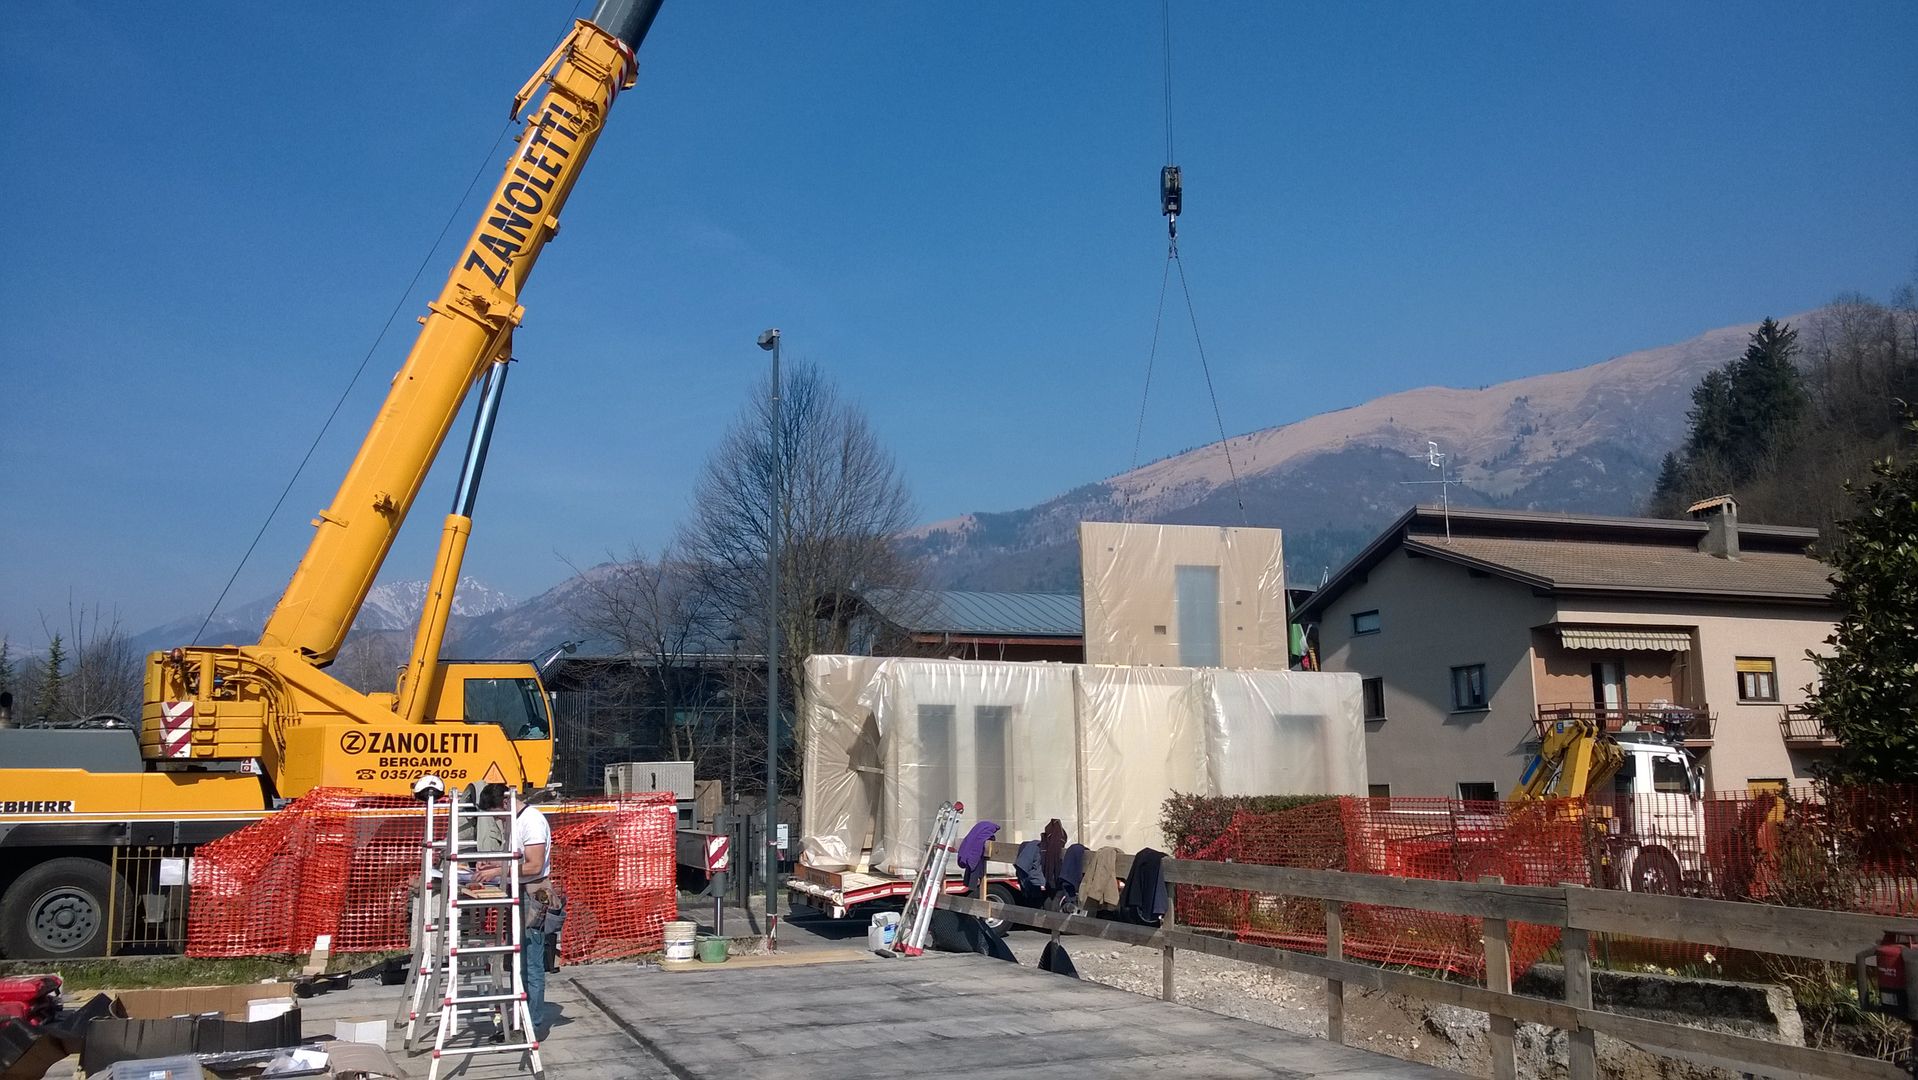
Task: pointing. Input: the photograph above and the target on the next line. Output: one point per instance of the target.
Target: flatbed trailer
(838, 892)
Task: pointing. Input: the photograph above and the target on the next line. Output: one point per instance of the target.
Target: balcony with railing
(1803, 731)
(1692, 725)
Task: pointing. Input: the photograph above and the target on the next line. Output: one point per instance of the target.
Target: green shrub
(1190, 822)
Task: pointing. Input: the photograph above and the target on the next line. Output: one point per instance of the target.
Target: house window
(1374, 691)
(1477, 791)
(1757, 678)
(1365, 622)
(1378, 791)
(1468, 687)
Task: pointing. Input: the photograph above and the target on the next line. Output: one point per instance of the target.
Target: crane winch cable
(1171, 204)
(370, 350)
(418, 272)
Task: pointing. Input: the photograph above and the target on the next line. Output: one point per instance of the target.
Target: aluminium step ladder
(477, 936)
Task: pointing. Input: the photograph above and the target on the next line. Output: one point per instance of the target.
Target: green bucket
(712, 950)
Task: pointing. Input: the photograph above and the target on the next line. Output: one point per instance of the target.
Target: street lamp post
(775, 524)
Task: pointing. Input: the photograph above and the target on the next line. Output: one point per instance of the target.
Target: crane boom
(466, 329)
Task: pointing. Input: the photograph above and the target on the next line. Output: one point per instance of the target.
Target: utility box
(633, 777)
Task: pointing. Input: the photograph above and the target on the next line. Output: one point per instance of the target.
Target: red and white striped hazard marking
(719, 853)
(176, 729)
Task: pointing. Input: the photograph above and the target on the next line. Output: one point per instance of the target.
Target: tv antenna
(1436, 459)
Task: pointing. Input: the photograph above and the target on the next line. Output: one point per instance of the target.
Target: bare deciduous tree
(657, 615)
(370, 661)
(845, 503)
(102, 676)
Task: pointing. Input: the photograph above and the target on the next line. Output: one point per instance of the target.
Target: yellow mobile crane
(228, 731)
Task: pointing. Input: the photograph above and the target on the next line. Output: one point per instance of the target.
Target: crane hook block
(1170, 192)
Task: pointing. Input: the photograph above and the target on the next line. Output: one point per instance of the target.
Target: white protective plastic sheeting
(1100, 748)
(843, 769)
(997, 736)
(1142, 737)
(1283, 732)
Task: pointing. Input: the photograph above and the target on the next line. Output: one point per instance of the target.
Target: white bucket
(681, 940)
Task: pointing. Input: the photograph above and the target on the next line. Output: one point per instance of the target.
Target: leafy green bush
(1190, 822)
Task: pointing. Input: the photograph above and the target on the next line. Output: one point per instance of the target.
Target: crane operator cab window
(516, 705)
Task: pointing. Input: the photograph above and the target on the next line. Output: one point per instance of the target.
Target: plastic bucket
(680, 938)
(712, 950)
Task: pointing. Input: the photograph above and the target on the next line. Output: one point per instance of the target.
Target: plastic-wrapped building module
(1098, 747)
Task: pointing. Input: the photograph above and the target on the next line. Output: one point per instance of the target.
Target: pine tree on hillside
(1711, 437)
(51, 703)
(1668, 491)
(1768, 400)
(1868, 688)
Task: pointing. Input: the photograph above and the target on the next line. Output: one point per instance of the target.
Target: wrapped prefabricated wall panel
(842, 768)
(1283, 733)
(1183, 595)
(1142, 733)
(1098, 747)
(997, 736)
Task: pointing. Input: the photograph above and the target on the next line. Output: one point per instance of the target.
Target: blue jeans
(532, 972)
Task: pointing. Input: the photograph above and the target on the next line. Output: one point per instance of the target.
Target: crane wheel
(58, 909)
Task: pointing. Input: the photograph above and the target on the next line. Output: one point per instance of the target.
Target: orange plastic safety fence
(617, 869)
(1443, 839)
(1842, 849)
(343, 864)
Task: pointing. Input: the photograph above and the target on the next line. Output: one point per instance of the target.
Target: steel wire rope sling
(1171, 204)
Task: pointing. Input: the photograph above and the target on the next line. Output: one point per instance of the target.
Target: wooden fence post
(1166, 992)
(1581, 1045)
(1498, 976)
(1334, 988)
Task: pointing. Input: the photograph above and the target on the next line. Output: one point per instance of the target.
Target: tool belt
(545, 906)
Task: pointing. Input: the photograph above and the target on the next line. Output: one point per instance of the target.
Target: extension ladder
(475, 967)
(425, 971)
(930, 885)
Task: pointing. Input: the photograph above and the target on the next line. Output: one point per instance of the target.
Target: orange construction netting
(1441, 839)
(344, 864)
(1832, 848)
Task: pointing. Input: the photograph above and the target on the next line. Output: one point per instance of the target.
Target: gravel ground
(1440, 1035)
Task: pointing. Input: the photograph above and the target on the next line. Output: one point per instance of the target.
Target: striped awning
(1614, 637)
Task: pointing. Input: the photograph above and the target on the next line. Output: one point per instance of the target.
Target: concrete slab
(945, 1016)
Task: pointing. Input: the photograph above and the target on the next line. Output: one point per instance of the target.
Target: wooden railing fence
(1577, 911)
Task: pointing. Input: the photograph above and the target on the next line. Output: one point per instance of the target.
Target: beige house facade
(1470, 628)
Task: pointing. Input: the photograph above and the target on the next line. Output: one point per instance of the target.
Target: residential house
(1471, 627)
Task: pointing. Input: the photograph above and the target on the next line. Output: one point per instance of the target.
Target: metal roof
(1581, 553)
(1009, 614)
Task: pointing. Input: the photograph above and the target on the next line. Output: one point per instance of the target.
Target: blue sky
(951, 207)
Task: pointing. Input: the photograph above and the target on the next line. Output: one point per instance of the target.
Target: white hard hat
(429, 787)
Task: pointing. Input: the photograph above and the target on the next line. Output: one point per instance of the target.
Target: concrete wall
(1747, 743)
(1434, 616)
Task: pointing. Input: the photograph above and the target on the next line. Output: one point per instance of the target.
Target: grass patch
(160, 972)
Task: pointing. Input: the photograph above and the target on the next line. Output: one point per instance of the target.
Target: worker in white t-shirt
(533, 839)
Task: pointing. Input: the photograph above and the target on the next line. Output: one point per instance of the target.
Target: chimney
(1720, 516)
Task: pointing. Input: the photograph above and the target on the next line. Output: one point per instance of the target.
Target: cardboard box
(192, 1020)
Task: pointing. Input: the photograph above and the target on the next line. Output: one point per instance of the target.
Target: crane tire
(57, 910)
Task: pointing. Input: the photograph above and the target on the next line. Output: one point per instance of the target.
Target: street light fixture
(775, 523)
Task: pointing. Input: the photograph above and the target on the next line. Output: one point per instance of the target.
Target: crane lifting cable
(1171, 204)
